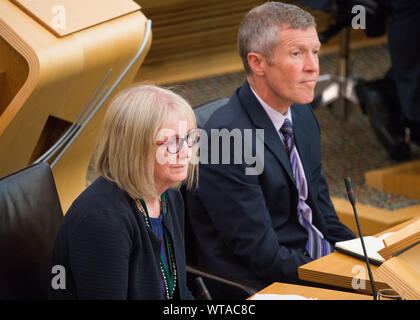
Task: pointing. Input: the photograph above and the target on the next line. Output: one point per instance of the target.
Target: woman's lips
(178, 166)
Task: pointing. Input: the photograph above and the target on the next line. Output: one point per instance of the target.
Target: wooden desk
(311, 292)
(340, 270)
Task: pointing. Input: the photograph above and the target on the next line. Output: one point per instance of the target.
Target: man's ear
(256, 62)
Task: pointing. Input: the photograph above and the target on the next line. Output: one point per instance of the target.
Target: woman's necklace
(169, 276)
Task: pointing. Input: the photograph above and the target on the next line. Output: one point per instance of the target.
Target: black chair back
(204, 111)
(30, 215)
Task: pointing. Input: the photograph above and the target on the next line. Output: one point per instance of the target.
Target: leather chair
(30, 215)
(204, 111)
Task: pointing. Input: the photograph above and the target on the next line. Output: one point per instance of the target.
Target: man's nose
(311, 63)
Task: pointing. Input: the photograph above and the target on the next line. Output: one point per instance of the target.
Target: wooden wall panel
(61, 75)
(14, 71)
(194, 39)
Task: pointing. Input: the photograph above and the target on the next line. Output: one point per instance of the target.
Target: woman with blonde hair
(122, 238)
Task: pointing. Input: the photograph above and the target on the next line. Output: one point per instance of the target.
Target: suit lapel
(302, 137)
(261, 120)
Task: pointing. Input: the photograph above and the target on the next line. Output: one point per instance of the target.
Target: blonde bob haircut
(126, 148)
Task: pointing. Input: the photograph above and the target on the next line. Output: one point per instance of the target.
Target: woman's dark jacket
(108, 252)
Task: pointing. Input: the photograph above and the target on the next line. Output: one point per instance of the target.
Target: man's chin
(305, 100)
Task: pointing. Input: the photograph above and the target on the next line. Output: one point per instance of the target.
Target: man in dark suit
(259, 221)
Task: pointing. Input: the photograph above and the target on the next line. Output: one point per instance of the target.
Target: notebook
(373, 244)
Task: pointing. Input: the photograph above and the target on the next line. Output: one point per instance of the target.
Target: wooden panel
(340, 270)
(372, 220)
(75, 15)
(2, 78)
(188, 27)
(226, 60)
(412, 211)
(62, 75)
(191, 27)
(403, 179)
(54, 128)
(198, 39)
(311, 292)
(402, 275)
(337, 269)
(14, 73)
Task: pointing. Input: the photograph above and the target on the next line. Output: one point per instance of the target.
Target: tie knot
(287, 132)
(286, 128)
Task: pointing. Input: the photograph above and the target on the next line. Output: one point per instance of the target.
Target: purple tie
(316, 245)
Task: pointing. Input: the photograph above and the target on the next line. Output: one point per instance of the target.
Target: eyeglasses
(174, 144)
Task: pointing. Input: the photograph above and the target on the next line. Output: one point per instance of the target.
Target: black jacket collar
(260, 119)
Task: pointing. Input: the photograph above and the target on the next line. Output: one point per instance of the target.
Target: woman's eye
(170, 142)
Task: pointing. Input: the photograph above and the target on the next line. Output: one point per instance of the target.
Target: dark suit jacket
(246, 226)
(109, 253)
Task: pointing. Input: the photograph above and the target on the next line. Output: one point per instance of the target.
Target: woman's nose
(184, 151)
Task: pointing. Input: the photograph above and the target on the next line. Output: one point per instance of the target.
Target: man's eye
(295, 54)
(316, 51)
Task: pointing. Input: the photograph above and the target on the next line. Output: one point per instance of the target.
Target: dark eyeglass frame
(181, 141)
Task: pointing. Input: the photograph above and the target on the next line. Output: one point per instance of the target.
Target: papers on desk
(372, 244)
(259, 296)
